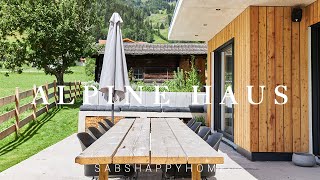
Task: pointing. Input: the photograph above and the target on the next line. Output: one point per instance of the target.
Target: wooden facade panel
(296, 87)
(311, 19)
(318, 4)
(271, 78)
(304, 83)
(308, 9)
(236, 75)
(237, 123)
(287, 121)
(279, 76)
(248, 80)
(254, 109)
(240, 30)
(313, 14)
(270, 50)
(263, 115)
(238, 85)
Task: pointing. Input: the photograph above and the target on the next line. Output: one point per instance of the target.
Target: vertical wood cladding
(270, 50)
(239, 29)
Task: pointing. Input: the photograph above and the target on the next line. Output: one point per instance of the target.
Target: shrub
(145, 87)
(162, 26)
(90, 67)
(201, 119)
(183, 81)
(178, 83)
(19, 71)
(193, 77)
(130, 74)
(91, 83)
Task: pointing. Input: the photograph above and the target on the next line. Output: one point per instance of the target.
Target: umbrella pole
(112, 106)
(112, 113)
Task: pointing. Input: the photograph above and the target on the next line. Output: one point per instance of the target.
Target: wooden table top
(150, 141)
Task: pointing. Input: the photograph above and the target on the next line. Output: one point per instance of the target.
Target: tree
(90, 66)
(169, 19)
(133, 13)
(49, 34)
(162, 26)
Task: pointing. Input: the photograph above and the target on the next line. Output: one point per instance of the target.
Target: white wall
(177, 99)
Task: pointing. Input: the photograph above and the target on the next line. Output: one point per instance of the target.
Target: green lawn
(31, 76)
(25, 81)
(159, 40)
(164, 32)
(158, 18)
(49, 129)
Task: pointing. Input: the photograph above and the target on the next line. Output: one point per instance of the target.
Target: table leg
(104, 173)
(196, 174)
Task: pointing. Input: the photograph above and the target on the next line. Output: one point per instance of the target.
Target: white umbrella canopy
(114, 69)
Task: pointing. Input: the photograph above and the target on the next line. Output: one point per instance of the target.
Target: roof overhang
(163, 49)
(200, 20)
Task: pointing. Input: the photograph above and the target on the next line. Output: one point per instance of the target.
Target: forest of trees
(134, 14)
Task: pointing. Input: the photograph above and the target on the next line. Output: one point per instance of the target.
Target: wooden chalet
(157, 62)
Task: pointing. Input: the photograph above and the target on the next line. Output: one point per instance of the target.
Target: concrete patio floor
(57, 163)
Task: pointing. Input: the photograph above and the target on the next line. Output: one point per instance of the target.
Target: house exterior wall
(184, 63)
(200, 64)
(313, 13)
(239, 30)
(158, 68)
(270, 50)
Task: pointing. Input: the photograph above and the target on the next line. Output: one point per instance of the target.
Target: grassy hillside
(142, 18)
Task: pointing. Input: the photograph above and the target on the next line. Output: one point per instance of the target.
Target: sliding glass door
(315, 70)
(224, 78)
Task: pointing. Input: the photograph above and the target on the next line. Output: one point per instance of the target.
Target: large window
(138, 73)
(227, 81)
(315, 69)
(224, 78)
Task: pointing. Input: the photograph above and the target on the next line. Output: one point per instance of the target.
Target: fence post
(34, 113)
(55, 92)
(47, 95)
(70, 90)
(75, 89)
(79, 88)
(17, 108)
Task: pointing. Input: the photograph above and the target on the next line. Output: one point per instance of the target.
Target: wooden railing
(71, 90)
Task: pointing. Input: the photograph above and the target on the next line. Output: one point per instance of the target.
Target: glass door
(223, 78)
(315, 71)
(227, 81)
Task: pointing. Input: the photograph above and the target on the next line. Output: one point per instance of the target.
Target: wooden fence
(71, 90)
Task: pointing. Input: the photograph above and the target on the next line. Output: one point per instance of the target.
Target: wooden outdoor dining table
(150, 141)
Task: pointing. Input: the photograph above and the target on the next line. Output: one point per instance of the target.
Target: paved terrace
(57, 163)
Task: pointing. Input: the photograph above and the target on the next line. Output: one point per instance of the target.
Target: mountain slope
(144, 20)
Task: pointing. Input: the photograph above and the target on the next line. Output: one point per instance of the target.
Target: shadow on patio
(57, 162)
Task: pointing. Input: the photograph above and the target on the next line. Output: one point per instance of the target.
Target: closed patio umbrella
(114, 69)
